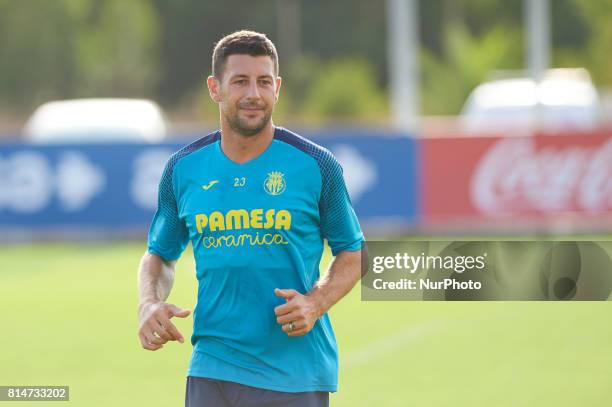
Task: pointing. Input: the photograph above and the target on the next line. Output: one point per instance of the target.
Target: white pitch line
(386, 345)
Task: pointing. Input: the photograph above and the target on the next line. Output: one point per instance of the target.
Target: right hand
(155, 326)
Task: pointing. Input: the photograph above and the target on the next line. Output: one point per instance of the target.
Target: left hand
(300, 309)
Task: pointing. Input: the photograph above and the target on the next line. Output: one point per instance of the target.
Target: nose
(253, 91)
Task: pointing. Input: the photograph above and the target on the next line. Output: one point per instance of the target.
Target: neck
(241, 149)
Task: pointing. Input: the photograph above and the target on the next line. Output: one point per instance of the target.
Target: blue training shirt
(255, 227)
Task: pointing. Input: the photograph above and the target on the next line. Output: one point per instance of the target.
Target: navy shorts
(203, 392)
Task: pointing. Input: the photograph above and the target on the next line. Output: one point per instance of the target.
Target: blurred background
(453, 119)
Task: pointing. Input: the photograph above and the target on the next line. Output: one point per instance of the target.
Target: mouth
(252, 112)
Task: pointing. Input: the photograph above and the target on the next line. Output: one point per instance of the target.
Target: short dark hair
(242, 42)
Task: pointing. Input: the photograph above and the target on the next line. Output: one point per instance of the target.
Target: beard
(244, 128)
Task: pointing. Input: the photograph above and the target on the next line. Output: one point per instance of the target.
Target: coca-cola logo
(515, 176)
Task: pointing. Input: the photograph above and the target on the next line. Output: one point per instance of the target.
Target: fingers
(291, 312)
(166, 329)
(287, 318)
(299, 328)
(300, 324)
(296, 313)
(285, 308)
(174, 332)
(300, 332)
(151, 347)
(156, 328)
(149, 342)
(287, 293)
(178, 312)
(296, 326)
(170, 327)
(152, 337)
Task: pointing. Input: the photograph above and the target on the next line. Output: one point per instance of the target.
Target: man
(256, 202)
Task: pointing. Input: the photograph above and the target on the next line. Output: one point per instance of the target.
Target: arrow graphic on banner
(78, 181)
(359, 173)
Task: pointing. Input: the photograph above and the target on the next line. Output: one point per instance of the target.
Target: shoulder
(324, 158)
(191, 148)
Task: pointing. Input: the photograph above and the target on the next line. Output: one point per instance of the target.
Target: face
(246, 93)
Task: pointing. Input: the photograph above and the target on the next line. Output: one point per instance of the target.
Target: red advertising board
(530, 177)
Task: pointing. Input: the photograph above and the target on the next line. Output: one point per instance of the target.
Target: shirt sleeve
(338, 219)
(168, 234)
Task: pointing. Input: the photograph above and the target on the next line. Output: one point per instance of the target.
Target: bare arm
(343, 274)
(304, 310)
(155, 278)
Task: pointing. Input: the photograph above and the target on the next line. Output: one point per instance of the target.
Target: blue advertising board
(380, 171)
(112, 188)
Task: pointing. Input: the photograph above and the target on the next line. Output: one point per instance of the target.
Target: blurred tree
(298, 79)
(37, 62)
(472, 37)
(190, 29)
(467, 61)
(115, 48)
(344, 90)
(570, 28)
(160, 48)
(593, 49)
(75, 48)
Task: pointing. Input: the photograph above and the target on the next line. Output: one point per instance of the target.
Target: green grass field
(69, 318)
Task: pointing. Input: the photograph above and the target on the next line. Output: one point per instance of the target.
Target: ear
(278, 86)
(214, 88)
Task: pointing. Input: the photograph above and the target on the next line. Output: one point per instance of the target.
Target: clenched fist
(298, 315)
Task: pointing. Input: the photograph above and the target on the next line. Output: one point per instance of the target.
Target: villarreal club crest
(274, 183)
